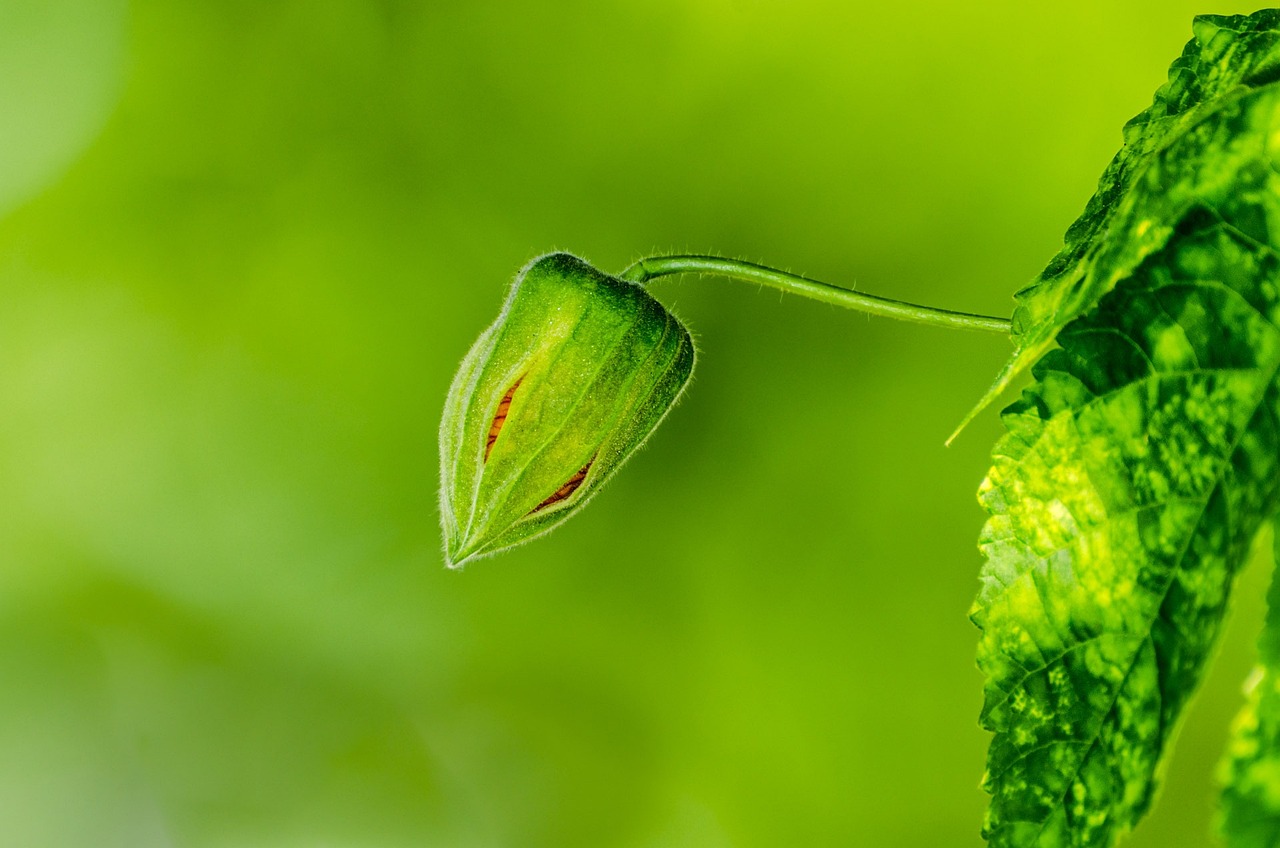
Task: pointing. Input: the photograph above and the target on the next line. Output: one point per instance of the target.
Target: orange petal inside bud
(500, 418)
(567, 489)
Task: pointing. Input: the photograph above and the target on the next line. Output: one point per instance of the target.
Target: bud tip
(459, 554)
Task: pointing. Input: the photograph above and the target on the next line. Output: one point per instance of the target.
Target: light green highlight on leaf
(1140, 464)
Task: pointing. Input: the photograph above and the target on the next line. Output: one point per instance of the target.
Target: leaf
(1251, 770)
(1125, 221)
(1145, 456)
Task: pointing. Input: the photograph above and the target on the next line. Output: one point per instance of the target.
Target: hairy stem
(661, 266)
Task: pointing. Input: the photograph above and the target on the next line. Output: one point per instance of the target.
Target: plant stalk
(653, 267)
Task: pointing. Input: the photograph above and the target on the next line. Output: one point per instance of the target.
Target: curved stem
(661, 266)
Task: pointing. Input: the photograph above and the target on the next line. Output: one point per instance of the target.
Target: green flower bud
(574, 375)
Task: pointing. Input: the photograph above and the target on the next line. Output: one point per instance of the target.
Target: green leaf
(1126, 221)
(1251, 769)
(1142, 461)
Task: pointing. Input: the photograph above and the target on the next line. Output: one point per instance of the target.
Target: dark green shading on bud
(574, 375)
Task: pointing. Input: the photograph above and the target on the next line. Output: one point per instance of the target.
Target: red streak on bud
(500, 418)
(567, 489)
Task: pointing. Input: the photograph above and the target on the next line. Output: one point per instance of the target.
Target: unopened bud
(577, 371)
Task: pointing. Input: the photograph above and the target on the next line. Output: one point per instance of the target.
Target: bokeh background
(244, 244)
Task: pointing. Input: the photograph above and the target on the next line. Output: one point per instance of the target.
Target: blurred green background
(244, 244)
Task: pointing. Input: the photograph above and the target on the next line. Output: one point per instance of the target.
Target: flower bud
(574, 375)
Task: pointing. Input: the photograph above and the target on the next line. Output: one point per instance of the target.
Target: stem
(661, 266)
